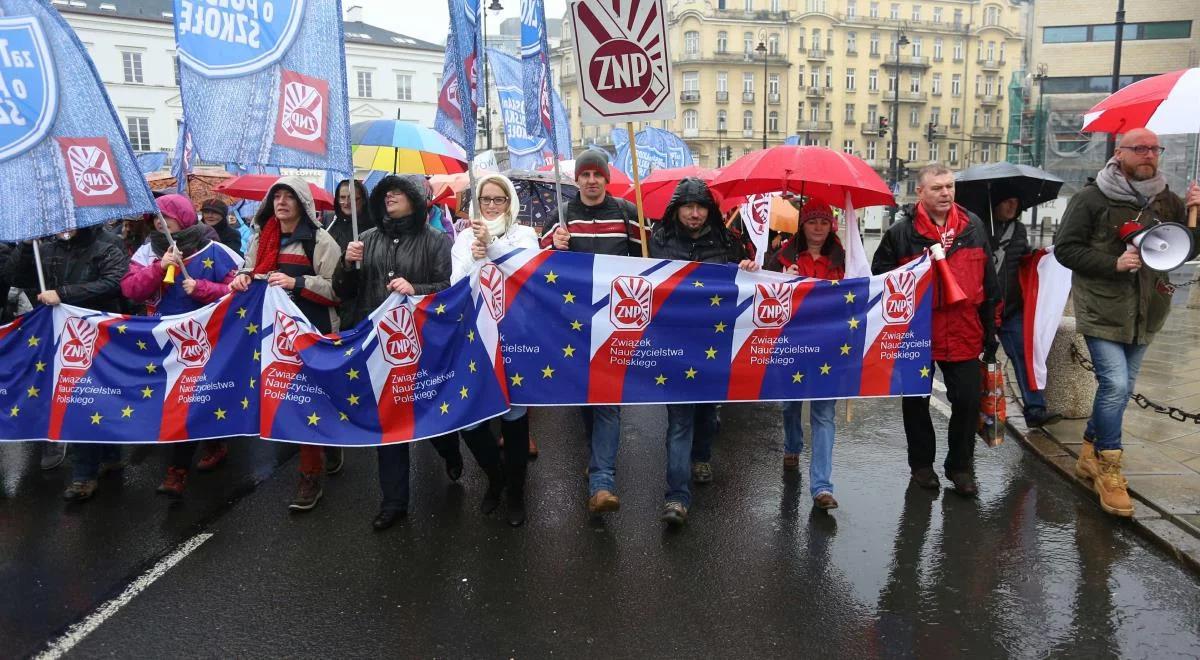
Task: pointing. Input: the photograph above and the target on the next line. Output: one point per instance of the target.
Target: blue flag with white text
(458, 100)
(184, 153)
(656, 149)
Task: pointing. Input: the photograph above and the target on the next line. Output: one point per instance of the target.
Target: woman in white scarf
(495, 232)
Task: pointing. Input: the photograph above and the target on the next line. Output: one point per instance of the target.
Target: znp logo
(398, 334)
(773, 304)
(191, 343)
(283, 344)
(631, 300)
(303, 103)
(491, 283)
(899, 298)
(79, 344)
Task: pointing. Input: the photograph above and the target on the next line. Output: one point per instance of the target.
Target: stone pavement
(1162, 455)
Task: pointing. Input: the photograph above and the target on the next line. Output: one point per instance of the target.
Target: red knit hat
(815, 209)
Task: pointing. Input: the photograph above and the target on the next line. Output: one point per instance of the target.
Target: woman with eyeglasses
(494, 232)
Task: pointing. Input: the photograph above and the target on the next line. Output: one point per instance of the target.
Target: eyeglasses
(493, 201)
(1142, 150)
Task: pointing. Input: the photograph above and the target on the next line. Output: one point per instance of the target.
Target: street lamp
(495, 8)
(762, 50)
(901, 40)
(1039, 127)
(1116, 75)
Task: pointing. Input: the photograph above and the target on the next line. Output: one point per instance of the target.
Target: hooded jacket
(308, 254)
(515, 235)
(338, 224)
(404, 247)
(85, 270)
(671, 240)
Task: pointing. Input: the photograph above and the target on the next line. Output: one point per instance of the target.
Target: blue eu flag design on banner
(657, 149)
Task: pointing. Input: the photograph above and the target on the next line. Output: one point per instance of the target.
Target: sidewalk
(1162, 455)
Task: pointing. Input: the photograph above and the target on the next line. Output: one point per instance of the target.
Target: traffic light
(929, 131)
(883, 126)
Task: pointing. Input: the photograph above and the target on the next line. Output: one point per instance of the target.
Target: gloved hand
(990, 346)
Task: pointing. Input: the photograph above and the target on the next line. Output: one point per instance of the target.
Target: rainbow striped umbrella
(401, 147)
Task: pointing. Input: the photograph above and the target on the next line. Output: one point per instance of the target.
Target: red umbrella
(815, 172)
(618, 184)
(658, 187)
(255, 187)
(1164, 104)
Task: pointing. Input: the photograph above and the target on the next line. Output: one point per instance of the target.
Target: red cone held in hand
(947, 285)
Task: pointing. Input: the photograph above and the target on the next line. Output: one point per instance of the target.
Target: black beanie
(595, 160)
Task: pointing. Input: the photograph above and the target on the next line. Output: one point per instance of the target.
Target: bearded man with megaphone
(1118, 237)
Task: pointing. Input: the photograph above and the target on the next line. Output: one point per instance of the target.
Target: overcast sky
(431, 20)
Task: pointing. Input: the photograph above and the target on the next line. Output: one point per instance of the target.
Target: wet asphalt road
(1031, 569)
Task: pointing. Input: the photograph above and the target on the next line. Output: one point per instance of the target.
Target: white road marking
(77, 632)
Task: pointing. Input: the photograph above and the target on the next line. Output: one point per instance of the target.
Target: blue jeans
(820, 416)
(681, 425)
(87, 457)
(1012, 336)
(606, 439)
(704, 430)
(1117, 368)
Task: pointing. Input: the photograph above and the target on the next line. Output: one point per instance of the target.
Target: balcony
(906, 97)
(722, 97)
(989, 99)
(817, 54)
(773, 99)
(988, 131)
(814, 127)
(890, 23)
(691, 132)
(815, 92)
(743, 15)
(747, 97)
(990, 65)
(689, 96)
(919, 61)
(869, 129)
(747, 132)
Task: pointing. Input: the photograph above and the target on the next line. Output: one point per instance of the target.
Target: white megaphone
(1162, 247)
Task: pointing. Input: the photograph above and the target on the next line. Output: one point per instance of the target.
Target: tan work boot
(1111, 485)
(603, 502)
(1086, 466)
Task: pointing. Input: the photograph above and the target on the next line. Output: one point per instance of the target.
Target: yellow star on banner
(338, 342)
(39, 366)
(464, 392)
(576, 325)
(257, 355)
(352, 374)
(141, 345)
(845, 349)
(32, 392)
(825, 369)
(342, 416)
(924, 372)
(245, 403)
(720, 327)
(126, 412)
(14, 412)
(353, 399)
(252, 382)
(849, 297)
(797, 377)
(715, 300)
(252, 329)
(568, 297)
(440, 309)
(548, 372)
(445, 408)
(96, 417)
(569, 351)
(853, 323)
(691, 372)
(471, 336)
(835, 282)
(517, 379)
(471, 366)
(151, 368)
(711, 353)
(551, 277)
(33, 341)
(660, 380)
(207, 263)
(121, 329)
(220, 413)
(147, 392)
(349, 351)
(698, 284)
(313, 419)
(241, 312)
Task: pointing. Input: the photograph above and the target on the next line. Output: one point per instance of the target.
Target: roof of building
(160, 11)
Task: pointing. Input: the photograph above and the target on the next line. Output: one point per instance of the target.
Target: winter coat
(671, 240)
(825, 267)
(610, 227)
(963, 330)
(213, 267)
(85, 270)
(1008, 278)
(396, 247)
(1122, 307)
(339, 225)
(515, 237)
(229, 236)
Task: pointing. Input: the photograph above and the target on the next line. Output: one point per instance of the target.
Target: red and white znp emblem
(91, 171)
(630, 301)
(303, 107)
(191, 343)
(398, 334)
(79, 343)
(899, 298)
(773, 305)
(491, 284)
(284, 343)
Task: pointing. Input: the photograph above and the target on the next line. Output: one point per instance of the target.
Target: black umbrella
(979, 188)
(535, 191)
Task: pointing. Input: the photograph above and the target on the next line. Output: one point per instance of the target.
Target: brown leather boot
(1110, 484)
(1086, 466)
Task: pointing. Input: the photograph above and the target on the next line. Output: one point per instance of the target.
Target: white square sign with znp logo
(622, 59)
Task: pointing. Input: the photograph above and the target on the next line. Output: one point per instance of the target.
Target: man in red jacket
(961, 331)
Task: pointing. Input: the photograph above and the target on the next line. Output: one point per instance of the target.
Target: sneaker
(603, 502)
(964, 483)
(335, 460)
(791, 462)
(308, 493)
(79, 491)
(53, 454)
(214, 455)
(174, 484)
(825, 501)
(702, 472)
(674, 514)
(925, 477)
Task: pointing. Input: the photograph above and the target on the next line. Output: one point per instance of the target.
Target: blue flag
(185, 150)
(280, 67)
(656, 149)
(792, 140)
(525, 151)
(151, 161)
(65, 161)
(535, 63)
(458, 100)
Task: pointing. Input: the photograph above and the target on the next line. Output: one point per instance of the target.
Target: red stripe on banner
(745, 377)
(276, 378)
(606, 379)
(175, 405)
(398, 418)
(11, 327)
(876, 371)
(514, 283)
(64, 388)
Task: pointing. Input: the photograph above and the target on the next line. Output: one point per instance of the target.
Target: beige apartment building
(829, 73)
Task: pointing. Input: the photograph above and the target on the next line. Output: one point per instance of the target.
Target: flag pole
(37, 260)
(353, 212)
(637, 190)
(169, 276)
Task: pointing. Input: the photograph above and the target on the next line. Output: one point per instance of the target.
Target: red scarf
(267, 257)
(956, 224)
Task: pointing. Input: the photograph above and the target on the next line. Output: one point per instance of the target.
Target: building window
(850, 79)
(935, 116)
(829, 41)
(894, 14)
(723, 81)
(748, 42)
(816, 39)
(747, 121)
(404, 86)
(875, 43)
(912, 151)
(873, 80)
(956, 85)
(991, 15)
(138, 130)
(691, 43)
(131, 62)
(954, 123)
(1133, 32)
(815, 77)
(851, 8)
(891, 82)
(871, 150)
(914, 117)
(814, 113)
(991, 51)
(872, 114)
(773, 44)
(916, 15)
(690, 120)
(691, 82)
(175, 62)
(748, 5)
(914, 83)
(722, 120)
(957, 17)
(937, 49)
(800, 78)
(748, 83)
(937, 15)
(889, 149)
(849, 113)
(933, 151)
(829, 112)
(958, 50)
(848, 146)
(874, 9)
(722, 41)
(364, 84)
(953, 152)
(978, 85)
(773, 84)
(916, 47)
(773, 122)
(1002, 52)
(936, 85)
(851, 42)
(800, 39)
(828, 77)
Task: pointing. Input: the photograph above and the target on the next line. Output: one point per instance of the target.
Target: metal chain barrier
(1138, 398)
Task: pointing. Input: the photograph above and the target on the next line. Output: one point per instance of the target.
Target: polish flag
(1045, 285)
